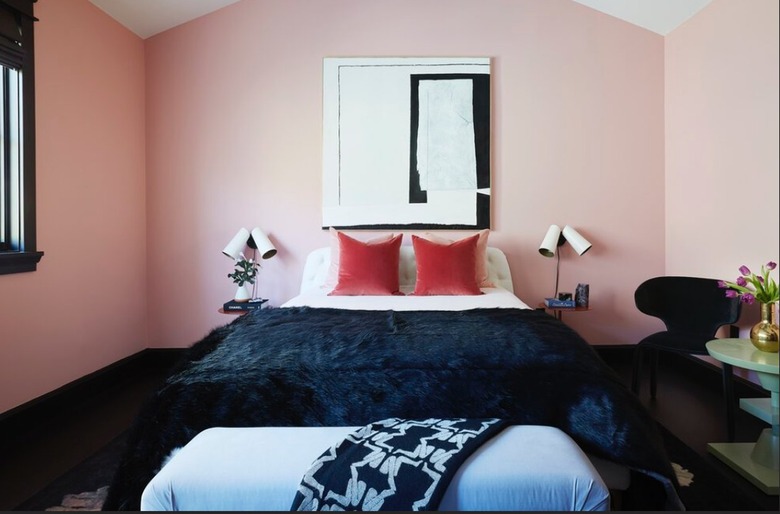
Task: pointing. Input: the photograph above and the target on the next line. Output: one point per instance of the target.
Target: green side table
(758, 462)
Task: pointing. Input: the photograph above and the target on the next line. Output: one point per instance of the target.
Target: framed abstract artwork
(406, 143)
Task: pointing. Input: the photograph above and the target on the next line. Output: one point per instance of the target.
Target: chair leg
(653, 372)
(728, 397)
(637, 372)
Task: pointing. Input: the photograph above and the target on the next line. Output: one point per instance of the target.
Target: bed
(324, 361)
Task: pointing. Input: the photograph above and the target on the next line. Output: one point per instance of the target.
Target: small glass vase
(764, 334)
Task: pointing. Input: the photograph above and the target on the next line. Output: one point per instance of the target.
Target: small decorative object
(564, 296)
(581, 295)
(750, 287)
(245, 273)
(764, 334)
(243, 294)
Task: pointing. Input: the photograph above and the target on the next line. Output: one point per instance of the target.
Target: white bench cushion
(521, 468)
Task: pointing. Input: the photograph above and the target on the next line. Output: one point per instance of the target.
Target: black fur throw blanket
(331, 367)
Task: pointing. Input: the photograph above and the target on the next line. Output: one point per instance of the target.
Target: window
(17, 138)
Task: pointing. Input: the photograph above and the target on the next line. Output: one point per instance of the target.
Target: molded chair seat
(693, 344)
(693, 309)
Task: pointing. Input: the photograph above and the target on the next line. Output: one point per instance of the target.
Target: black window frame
(17, 51)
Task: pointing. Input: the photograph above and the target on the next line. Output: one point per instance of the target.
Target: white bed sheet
(493, 297)
(524, 467)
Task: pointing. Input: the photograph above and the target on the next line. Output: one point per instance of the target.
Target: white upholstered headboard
(315, 271)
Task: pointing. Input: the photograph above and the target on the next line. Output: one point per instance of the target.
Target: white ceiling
(660, 16)
(149, 17)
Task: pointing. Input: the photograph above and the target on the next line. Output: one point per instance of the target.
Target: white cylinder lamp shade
(550, 241)
(579, 243)
(236, 245)
(264, 245)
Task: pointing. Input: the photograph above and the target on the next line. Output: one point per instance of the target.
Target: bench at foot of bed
(521, 468)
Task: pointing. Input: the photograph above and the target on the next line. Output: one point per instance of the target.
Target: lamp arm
(254, 259)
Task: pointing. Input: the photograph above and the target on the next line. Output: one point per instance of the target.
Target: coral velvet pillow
(367, 268)
(481, 260)
(333, 271)
(446, 268)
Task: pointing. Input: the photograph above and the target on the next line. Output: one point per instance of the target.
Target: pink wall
(722, 151)
(152, 155)
(722, 142)
(234, 116)
(85, 307)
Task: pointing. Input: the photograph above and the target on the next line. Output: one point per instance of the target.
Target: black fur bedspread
(330, 367)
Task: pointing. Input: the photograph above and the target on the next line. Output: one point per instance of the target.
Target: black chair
(693, 309)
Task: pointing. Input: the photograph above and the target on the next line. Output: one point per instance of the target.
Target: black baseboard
(18, 423)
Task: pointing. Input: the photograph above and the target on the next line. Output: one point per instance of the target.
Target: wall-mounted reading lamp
(555, 238)
(257, 241)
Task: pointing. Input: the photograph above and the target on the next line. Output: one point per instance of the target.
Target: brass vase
(764, 334)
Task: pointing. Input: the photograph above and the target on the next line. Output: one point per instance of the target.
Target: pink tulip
(748, 298)
(741, 281)
(732, 294)
(744, 270)
(722, 284)
(771, 265)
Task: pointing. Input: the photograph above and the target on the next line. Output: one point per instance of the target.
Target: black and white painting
(406, 143)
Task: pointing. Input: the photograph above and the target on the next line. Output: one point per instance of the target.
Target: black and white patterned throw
(393, 464)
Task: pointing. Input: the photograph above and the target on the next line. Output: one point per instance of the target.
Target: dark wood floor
(689, 404)
(49, 448)
(689, 399)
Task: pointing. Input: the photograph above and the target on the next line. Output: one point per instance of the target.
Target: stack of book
(233, 305)
(555, 303)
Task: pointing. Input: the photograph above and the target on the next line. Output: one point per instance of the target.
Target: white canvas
(368, 119)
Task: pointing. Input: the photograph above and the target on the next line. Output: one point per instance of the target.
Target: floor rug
(702, 486)
(88, 501)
